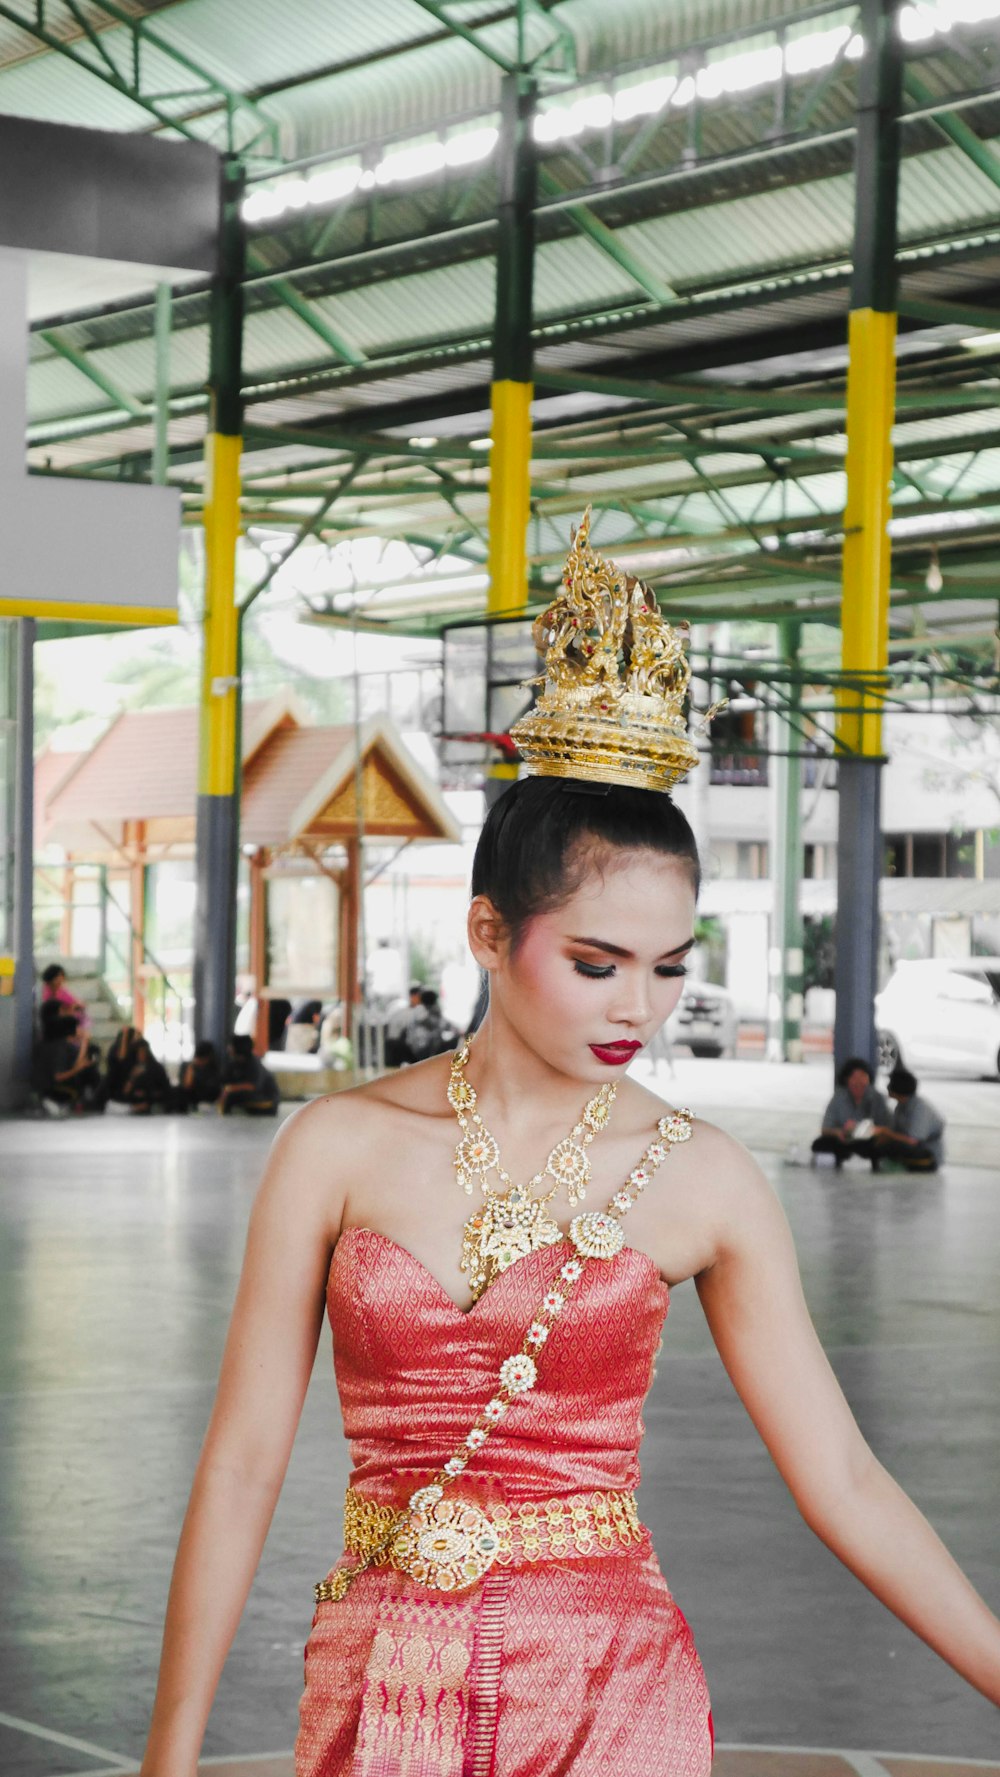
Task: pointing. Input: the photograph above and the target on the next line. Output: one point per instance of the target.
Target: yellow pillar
(871, 389)
(220, 656)
(510, 497)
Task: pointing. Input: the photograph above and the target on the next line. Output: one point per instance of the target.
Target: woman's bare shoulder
(715, 1166)
(354, 1117)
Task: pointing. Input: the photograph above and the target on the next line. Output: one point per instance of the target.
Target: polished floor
(120, 1244)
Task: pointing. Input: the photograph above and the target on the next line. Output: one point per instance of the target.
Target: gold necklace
(512, 1221)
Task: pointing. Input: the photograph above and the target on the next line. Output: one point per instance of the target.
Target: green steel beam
(161, 396)
(351, 354)
(609, 242)
(979, 152)
(307, 528)
(81, 361)
(30, 18)
(439, 11)
(950, 314)
(753, 399)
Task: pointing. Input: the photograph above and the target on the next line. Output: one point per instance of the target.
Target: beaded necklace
(512, 1221)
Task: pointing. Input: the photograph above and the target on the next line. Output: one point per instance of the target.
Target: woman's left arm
(752, 1297)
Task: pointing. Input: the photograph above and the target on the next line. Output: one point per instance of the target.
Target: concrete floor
(120, 1243)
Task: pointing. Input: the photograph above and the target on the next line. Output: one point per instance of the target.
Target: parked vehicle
(705, 1019)
(942, 1013)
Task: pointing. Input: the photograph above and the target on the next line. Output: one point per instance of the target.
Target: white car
(942, 1013)
(705, 1019)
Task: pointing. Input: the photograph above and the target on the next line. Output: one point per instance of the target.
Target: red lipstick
(614, 1054)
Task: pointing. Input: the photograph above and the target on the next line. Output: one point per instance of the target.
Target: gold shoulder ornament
(615, 685)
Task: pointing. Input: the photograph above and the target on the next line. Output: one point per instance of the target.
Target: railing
(79, 918)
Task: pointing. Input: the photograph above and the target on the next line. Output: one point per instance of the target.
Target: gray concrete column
(859, 870)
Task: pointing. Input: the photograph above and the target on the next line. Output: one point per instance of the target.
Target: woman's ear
(487, 938)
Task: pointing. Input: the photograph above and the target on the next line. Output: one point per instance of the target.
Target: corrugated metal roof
(49, 88)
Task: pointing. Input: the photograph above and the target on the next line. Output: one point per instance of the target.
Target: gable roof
(298, 782)
(145, 766)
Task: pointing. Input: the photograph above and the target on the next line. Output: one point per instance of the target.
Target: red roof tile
(50, 771)
(281, 776)
(144, 766)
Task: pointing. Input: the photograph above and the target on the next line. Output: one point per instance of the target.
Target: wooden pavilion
(312, 796)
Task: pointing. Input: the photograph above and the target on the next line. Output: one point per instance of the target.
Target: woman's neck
(516, 1086)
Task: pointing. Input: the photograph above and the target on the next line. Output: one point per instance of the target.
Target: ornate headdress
(616, 680)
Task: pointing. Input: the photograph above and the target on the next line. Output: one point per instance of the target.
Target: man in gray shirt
(856, 1103)
(916, 1133)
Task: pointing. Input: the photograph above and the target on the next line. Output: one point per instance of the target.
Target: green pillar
(784, 1022)
(161, 396)
(217, 832)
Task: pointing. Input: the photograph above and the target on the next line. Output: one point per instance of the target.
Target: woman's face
(591, 982)
(857, 1084)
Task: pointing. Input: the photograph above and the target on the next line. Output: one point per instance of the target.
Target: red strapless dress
(583, 1666)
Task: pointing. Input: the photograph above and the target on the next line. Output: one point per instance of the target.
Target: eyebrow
(617, 950)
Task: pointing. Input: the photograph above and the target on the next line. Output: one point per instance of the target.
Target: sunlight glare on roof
(739, 72)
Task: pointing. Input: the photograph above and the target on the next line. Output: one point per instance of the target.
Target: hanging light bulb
(934, 579)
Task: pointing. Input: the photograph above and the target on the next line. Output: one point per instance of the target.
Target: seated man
(856, 1103)
(118, 1065)
(247, 1084)
(427, 1032)
(915, 1135)
(400, 1016)
(201, 1079)
(148, 1086)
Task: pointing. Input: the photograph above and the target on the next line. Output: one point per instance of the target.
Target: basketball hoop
(502, 743)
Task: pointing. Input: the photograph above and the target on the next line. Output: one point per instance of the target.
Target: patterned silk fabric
(583, 1667)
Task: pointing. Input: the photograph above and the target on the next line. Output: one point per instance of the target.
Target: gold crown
(616, 680)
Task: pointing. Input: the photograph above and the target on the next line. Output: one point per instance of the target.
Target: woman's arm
(265, 1371)
(753, 1300)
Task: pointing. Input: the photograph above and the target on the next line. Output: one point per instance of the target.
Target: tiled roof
(51, 770)
(144, 767)
(281, 776)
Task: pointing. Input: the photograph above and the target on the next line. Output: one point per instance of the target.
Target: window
(751, 860)
(928, 854)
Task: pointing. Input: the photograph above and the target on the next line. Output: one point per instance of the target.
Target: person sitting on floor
(118, 1065)
(201, 1079)
(64, 1069)
(247, 1085)
(148, 1086)
(915, 1136)
(856, 1108)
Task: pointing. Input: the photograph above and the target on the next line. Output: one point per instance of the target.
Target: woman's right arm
(266, 1367)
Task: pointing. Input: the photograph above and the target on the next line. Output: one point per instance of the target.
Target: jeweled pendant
(477, 1153)
(597, 1236)
(568, 1164)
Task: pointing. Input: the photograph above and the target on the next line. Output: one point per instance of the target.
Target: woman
(498, 1611)
(55, 991)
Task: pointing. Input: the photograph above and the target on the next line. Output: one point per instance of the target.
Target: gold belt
(449, 1543)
